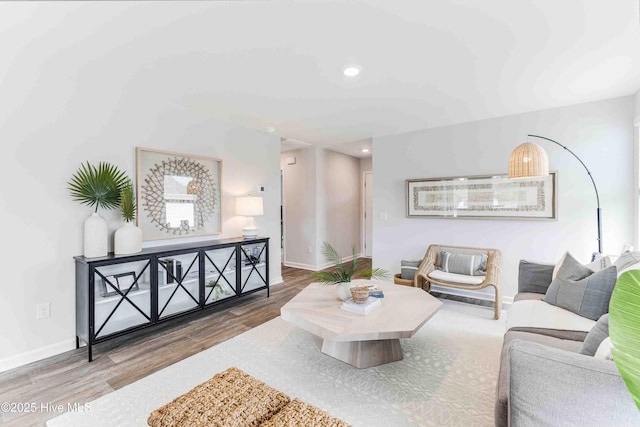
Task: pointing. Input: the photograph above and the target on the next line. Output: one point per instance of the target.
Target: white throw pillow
(604, 350)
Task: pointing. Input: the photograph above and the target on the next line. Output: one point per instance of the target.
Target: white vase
(344, 290)
(127, 239)
(95, 236)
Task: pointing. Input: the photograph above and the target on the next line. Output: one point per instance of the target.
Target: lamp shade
(528, 160)
(249, 206)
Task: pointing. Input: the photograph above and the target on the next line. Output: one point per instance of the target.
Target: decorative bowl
(360, 294)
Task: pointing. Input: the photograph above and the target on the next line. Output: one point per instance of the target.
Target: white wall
(300, 208)
(600, 133)
(322, 203)
(64, 103)
(339, 203)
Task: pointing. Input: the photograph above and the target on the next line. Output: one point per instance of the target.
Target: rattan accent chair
(431, 262)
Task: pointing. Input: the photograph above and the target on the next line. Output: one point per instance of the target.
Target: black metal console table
(119, 294)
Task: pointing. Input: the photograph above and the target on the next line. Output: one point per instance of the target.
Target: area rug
(447, 377)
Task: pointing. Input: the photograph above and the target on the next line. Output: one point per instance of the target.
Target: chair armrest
(534, 277)
(426, 266)
(552, 387)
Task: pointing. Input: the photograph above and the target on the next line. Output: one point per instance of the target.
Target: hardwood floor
(69, 379)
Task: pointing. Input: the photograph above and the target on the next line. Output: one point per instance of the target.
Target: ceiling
(424, 63)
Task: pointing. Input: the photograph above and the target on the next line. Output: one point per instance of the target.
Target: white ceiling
(424, 63)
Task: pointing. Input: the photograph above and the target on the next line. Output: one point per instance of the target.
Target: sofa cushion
(554, 387)
(468, 264)
(596, 335)
(456, 278)
(577, 289)
(408, 269)
(502, 390)
(539, 314)
(523, 296)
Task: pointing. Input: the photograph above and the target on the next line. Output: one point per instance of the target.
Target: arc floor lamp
(530, 160)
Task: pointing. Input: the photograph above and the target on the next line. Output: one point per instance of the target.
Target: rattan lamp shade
(528, 160)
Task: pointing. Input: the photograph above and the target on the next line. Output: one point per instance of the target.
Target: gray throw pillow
(579, 290)
(468, 264)
(408, 269)
(596, 335)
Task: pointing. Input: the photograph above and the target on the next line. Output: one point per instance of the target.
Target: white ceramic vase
(127, 239)
(344, 290)
(95, 236)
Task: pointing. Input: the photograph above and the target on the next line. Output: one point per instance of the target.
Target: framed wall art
(178, 195)
(488, 197)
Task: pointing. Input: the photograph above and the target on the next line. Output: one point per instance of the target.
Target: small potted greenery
(343, 273)
(98, 187)
(128, 238)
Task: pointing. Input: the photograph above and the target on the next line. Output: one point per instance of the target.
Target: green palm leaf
(624, 328)
(99, 187)
(344, 272)
(127, 202)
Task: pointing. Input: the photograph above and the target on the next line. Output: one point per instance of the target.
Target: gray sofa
(544, 381)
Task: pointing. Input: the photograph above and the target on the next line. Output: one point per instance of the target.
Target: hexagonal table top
(316, 309)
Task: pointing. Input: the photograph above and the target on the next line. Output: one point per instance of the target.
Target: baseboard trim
(299, 265)
(276, 281)
(27, 357)
(316, 267)
(506, 301)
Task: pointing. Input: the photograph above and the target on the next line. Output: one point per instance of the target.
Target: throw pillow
(467, 264)
(408, 269)
(600, 262)
(604, 350)
(596, 335)
(627, 259)
(579, 290)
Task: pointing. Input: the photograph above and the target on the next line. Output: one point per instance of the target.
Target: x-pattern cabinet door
(178, 283)
(253, 266)
(219, 274)
(122, 297)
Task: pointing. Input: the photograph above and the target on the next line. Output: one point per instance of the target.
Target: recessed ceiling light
(270, 129)
(365, 150)
(351, 70)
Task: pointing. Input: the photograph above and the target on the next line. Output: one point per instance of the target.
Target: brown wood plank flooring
(69, 378)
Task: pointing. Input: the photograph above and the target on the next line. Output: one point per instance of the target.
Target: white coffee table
(361, 341)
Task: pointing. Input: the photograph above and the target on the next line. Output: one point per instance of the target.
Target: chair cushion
(577, 289)
(539, 314)
(408, 268)
(456, 278)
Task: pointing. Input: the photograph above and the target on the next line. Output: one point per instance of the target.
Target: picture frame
(177, 194)
(122, 281)
(483, 197)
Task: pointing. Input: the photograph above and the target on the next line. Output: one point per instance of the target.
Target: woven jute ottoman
(231, 398)
(234, 398)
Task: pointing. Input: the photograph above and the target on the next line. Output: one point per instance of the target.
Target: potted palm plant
(128, 238)
(97, 187)
(343, 273)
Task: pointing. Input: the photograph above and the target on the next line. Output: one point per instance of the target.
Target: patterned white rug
(447, 376)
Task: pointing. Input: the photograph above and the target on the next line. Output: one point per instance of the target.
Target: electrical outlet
(43, 310)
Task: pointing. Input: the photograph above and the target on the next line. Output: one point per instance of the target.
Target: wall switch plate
(382, 216)
(43, 310)
(260, 188)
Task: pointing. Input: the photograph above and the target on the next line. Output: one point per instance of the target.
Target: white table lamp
(249, 206)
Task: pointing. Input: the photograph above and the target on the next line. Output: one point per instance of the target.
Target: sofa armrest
(553, 387)
(534, 277)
